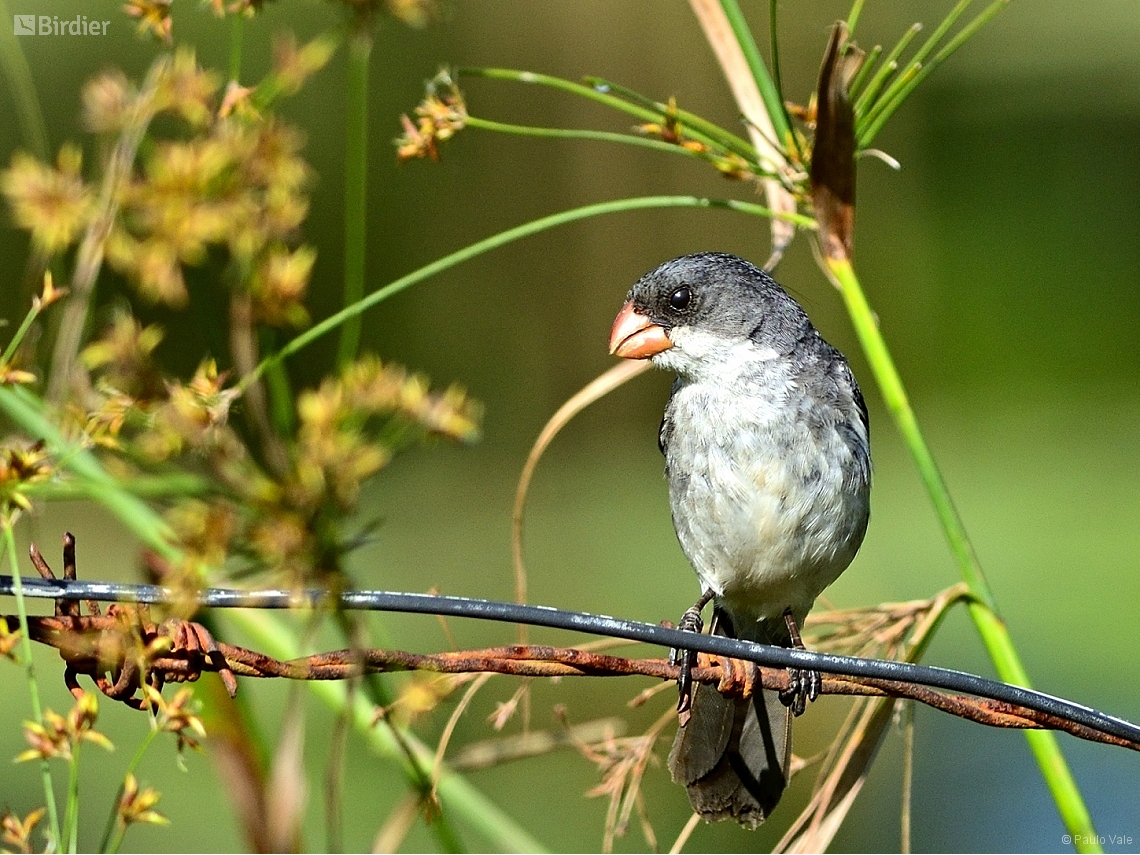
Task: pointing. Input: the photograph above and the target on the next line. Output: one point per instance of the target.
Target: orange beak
(634, 336)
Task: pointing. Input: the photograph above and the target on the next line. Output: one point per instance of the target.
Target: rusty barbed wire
(125, 649)
(95, 645)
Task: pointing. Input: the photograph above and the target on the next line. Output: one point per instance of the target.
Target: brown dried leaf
(287, 793)
(533, 743)
(390, 837)
(622, 763)
(833, 154)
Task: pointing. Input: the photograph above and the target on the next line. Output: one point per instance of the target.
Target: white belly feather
(765, 508)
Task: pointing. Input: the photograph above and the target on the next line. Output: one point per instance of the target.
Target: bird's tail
(733, 754)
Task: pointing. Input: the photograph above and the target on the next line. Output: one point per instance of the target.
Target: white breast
(763, 503)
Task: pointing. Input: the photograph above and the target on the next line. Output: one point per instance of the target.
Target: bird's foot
(803, 684)
(691, 621)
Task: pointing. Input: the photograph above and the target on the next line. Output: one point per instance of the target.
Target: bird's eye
(679, 299)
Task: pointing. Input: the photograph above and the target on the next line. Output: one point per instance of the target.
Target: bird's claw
(804, 684)
(691, 621)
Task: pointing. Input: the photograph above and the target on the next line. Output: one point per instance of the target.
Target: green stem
(575, 134)
(534, 227)
(18, 75)
(631, 103)
(71, 814)
(885, 107)
(356, 184)
(982, 607)
(30, 669)
(898, 404)
(117, 831)
(282, 406)
(25, 325)
(599, 93)
(773, 103)
(692, 125)
(111, 841)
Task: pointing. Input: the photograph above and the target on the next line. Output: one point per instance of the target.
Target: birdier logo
(52, 25)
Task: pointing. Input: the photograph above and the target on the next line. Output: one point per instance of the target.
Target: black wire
(433, 604)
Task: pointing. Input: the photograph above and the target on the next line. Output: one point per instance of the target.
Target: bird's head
(705, 315)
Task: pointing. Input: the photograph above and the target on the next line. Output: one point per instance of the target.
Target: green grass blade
(29, 414)
(894, 97)
(866, 98)
(773, 102)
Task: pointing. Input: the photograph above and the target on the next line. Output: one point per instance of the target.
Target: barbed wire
(1025, 707)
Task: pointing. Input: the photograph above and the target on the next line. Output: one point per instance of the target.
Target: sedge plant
(277, 494)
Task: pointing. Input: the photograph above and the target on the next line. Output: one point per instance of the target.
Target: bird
(767, 458)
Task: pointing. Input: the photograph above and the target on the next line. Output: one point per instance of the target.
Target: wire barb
(124, 649)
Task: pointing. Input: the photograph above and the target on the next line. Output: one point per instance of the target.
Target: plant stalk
(33, 685)
(773, 101)
(355, 184)
(982, 607)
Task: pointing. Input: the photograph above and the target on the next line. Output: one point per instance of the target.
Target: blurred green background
(1001, 259)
